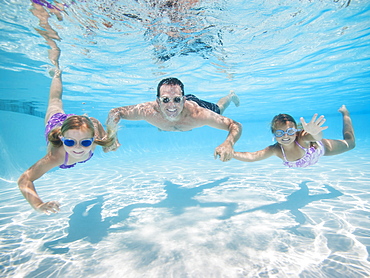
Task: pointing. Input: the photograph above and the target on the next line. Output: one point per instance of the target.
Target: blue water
(161, 206)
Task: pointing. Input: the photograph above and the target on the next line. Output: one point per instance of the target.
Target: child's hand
(314, 127)
(49, 207)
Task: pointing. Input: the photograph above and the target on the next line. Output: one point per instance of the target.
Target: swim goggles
(290, 131)
(71, 142)
(167, 99)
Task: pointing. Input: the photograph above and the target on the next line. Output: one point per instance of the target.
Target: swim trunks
(205, 104)
(56, 120)
(311, 156)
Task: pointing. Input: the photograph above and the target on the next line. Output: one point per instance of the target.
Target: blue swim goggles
(290, 131)
(71, 142)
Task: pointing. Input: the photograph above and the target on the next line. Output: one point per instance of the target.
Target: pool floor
(157, 214)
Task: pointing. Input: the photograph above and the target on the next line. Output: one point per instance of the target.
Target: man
(173, 111)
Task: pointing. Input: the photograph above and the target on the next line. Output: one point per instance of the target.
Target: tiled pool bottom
(156, 214)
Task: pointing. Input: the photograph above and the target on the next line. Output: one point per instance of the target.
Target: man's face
(171, 101)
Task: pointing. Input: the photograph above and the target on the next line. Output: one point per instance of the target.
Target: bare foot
(343, 110)
(234, 98)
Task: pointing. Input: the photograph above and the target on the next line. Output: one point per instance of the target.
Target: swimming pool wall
(23, 101)
(22, 140)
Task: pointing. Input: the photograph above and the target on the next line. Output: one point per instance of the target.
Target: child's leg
(54, 54)
(224, 102)
(55, 104)
(333, 147)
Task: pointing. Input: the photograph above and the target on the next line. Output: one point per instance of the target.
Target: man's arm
(225, 150)
(136, 112)
(131, 112)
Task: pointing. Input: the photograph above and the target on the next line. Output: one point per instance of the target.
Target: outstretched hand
(224, 151)
(49, 207)
(314, 127)
(112, 147)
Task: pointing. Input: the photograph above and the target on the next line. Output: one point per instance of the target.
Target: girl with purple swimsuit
(71, 139)
(302, 148)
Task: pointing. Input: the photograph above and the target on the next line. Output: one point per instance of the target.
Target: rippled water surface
(161, 206)
(267, 51)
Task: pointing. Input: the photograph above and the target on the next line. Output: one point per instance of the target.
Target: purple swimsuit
(311, 156)
(47, 4)
(57, 120)
(65, 166)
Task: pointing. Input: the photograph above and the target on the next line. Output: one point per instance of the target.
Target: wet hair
(83, 123)
(170, 81)
(281, 119)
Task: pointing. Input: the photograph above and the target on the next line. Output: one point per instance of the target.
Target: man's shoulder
(193, 110)
(196, 111)
(193, 106)
(148, 103)
(147, 108)
(144, 105)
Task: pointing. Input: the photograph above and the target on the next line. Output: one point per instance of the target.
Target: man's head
(170, 98)
(169, 81)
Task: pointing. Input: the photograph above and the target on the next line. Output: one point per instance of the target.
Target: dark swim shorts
(56, 120)
(205, 104)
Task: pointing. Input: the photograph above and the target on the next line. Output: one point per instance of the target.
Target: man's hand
(112, 147)
(224, 151)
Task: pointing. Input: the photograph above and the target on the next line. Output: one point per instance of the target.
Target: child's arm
(255, 156)
(25, 183)
(313, 130)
